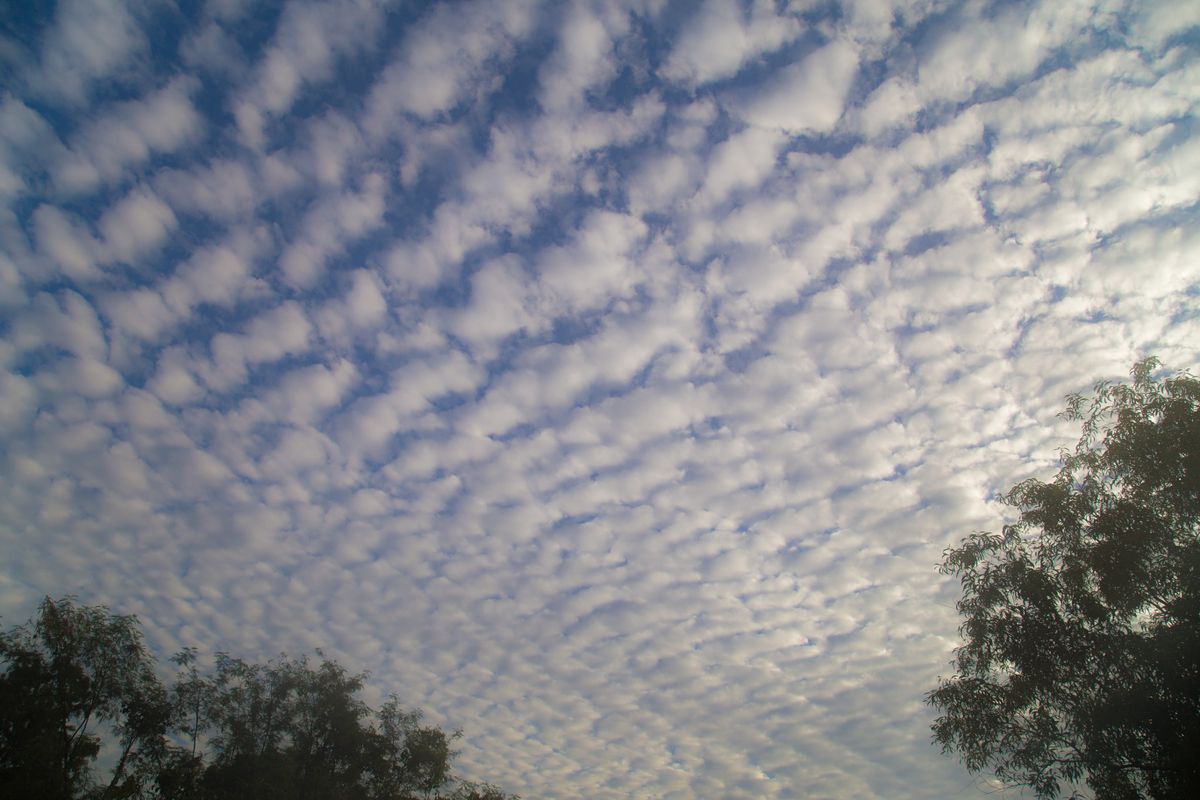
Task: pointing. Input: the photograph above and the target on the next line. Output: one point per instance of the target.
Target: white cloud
(445, 59)
(141, 312)
(808, 96)
(722, 37)
(282, 331)
(525, 169)
(745, 286)
(992, 51)
(173, 381)
(980, 51)
(329, 227)
(18, 401)
(893, 101)
(90, 40)
(583, 59)
(333, 141)
(1154, 24)
(27, 144)
(595, 268)
(950, 206)
(222, 189)
(219, 275)
(363, 307)
(636, 357)
(66, 242)
(132, 228)
(503, 302)
(135, 226)
(213, 48)
(662, 179)
(743, 160)
(304, 394)
(64, 320)
(128, 135)
(367, 426)
(309, 40)
(86, 377)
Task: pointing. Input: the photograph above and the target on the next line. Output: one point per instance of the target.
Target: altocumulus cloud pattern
(605, 377)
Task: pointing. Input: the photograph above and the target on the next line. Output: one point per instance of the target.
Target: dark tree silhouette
(70, 677)
(285, 730)
(1080, 663)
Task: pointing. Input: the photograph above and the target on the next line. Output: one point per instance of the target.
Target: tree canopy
(78, 678)
(1080, 660)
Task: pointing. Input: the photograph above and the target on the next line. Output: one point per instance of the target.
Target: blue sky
(606, 378)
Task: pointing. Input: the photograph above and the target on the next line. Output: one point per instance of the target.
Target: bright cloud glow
(605, 377)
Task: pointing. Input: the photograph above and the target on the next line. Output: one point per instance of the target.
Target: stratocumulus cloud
(605, 377)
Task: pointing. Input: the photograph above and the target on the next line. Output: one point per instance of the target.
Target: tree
(71, 675)
(79, 678)
(181, 767)
(479, 791)
(251, 712)
(411, 757)
(1080, 661)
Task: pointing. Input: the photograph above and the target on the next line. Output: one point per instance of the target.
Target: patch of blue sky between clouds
(605, 377)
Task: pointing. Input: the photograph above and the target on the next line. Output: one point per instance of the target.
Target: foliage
(71, 675)
(1081, 655)
(80, 677)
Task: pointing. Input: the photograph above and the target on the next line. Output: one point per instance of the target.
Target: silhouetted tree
(412, 757)
(478, 791)
(284, 730)
(1081, 653)
(69, 677)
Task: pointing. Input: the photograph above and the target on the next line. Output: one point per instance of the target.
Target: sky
(607, 378)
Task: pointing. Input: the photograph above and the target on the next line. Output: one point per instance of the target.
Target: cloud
(135, 226)
(743, 160)
(28, 144)
(20, 401)
(1000, 48)
(219, 275)
(66, 242)
(173, 381)
(362, 308)
(807, 97)
(606, 377)
(972, 51)
(223, 189)
(132, 228)
(282, 331)
(304, 394)
(722, 37)
(1156, 25)
(329, 227)
(583, 59)
(445, 58)
(308, 41)
(89, 40)
(503, 302)
(502, 194)
(366, 427)
(65, 321)
(85, 377)
(595, 268)
(213, 48)
(128, 135)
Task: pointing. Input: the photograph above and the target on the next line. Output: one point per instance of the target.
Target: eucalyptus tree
(1080, 660)
(79, 679)
(72, 677)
